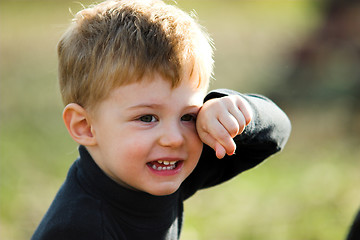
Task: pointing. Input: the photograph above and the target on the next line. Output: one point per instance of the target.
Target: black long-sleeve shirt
(354, 232)
(90, 205)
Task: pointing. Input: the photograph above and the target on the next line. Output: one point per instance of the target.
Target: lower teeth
(163, 168)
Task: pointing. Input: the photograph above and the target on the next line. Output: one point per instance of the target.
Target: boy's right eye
(147, 118)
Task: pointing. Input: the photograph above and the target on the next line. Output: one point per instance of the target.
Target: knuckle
(232, 125)
(229, 100)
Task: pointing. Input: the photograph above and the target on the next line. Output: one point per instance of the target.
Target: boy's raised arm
(265, 134)
(268, 128)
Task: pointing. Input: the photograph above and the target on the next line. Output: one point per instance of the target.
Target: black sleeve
(266, 134)
(354, 232)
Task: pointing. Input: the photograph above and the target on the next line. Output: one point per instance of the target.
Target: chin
(164, 190)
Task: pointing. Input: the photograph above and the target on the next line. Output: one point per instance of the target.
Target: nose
(171, 135)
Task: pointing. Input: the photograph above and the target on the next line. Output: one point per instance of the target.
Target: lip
(168, 172)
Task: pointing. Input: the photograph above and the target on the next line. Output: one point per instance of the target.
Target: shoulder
(79, 217)
(73, 214)
(72, 218)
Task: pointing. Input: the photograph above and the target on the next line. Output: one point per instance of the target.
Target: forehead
(158, 92)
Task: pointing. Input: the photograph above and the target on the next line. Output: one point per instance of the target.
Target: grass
(308, 191)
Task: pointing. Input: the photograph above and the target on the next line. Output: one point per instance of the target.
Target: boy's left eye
(188, 118)
(147, 118)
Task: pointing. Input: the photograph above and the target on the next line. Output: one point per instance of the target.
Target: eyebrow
(155, 106)
(145, 105)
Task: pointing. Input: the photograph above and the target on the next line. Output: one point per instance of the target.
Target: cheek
(135, 147)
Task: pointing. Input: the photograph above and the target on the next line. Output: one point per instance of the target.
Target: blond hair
(116, 42)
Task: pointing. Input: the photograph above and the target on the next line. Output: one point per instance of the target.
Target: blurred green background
(309, 191)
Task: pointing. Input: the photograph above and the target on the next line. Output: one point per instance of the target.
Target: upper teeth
(167, 162)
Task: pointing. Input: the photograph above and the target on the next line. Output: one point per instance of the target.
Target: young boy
(134, 77)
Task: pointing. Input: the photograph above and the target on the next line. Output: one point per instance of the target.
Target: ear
(77, 122)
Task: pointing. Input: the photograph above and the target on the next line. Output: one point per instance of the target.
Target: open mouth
(164, 165)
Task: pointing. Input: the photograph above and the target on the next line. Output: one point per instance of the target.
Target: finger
(230, 147)
(217, 133)
(233, 122)
(222, 136)
(211, 142)
(245, 109)
(219, 151)
(207, 139)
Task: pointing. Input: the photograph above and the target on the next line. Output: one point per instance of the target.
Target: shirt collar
(140, 207)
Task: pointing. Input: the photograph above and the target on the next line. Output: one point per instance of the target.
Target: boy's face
(146, 136)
